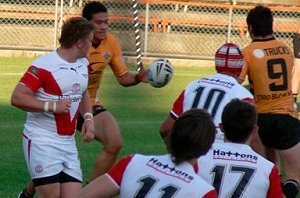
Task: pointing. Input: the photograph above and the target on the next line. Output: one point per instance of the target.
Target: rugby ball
(160, 72)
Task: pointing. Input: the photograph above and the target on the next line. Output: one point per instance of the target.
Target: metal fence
(181, 29)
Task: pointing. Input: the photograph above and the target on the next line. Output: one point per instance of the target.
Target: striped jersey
(157, 176)
(235, 170)
(212, 94)
(51, 78)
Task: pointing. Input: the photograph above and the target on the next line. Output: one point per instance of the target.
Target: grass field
(139, 110)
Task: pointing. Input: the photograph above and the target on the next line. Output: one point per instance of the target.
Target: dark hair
(238, 120)
(192, 135)
(74, 29)
(92, 8)
(260, 19)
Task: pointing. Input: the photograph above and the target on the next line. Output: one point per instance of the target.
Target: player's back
(269, 65)
(235, 170)
(212, 94)
(157, 176)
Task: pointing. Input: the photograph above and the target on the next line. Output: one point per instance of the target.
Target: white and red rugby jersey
(212, 94)
(51, 79)
(235, 170)
(157, 176)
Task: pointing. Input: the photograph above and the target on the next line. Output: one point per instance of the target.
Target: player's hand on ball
(142, 75)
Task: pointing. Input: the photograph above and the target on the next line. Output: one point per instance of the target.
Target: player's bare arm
(24, 99)
(133, 78)
(88, 129)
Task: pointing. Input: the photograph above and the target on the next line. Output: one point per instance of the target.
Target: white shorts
(46, 159)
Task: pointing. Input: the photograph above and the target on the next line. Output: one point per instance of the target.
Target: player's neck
(96, 43)
(67, 54)
(263, 37)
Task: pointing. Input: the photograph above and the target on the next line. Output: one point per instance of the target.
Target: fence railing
(182, 29)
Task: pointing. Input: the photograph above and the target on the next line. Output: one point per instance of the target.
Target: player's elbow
(163, 132)
(14, 100)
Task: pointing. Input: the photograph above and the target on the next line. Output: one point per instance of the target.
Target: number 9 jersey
(269, 66)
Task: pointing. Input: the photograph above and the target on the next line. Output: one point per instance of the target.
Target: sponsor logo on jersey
(106, 55)
(169, 170)
(75, 88)
(235, 156)
(217, 82)
(34, 71)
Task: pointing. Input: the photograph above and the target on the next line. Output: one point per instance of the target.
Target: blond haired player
(269, 66)
(105, 52)
(53, 91)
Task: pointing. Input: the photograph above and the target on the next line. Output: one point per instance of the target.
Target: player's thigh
(70, 189)
(42, 159)
(106, 128)
(49, 190)
(290, 159)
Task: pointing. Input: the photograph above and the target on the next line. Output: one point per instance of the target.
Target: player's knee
(113, 147)
(290, 188)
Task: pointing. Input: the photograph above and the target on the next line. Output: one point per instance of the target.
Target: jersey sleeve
(33, 78)
(275, 190)
(117, 65)
(116, 172)
(211, 194)
(177, 109)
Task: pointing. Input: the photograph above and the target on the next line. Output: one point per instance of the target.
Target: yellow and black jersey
(269, 65)
(107, 53)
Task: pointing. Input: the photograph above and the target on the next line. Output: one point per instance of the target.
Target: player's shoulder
(111, 38)
(46, 61)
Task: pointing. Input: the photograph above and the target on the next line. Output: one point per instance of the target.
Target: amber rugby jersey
(269, 65)
(107, 53)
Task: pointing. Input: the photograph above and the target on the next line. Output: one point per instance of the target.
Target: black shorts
(61, 177)
(96, 111)
(296, 45)
(279, 131)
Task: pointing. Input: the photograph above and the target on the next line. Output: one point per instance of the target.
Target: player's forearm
(129, 79)
(85, 105)
(24, 99)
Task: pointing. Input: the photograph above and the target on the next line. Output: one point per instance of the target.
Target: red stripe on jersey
(249, 100)
(211, 194)
(275, 190)
(178, 104)
(64, 124)
(36, 78)
(196, 167)
(31, 78)
(117, 171)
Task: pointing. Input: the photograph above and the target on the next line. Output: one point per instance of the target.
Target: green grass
(139, 110)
